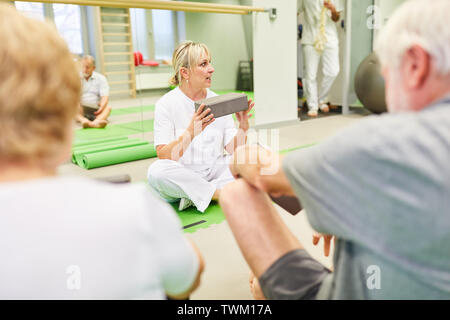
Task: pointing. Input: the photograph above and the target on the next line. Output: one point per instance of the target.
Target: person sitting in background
(381, 187)
(192, 167)
(71, 237)
(94, 109)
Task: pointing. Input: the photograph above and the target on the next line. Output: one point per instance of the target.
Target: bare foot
(86, 124)
(312, 113)
(255, 288)
(324, 108)
(99, 123)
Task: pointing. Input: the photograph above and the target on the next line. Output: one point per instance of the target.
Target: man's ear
(416, 67)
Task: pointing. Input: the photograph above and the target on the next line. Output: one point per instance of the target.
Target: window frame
(48, 14)
(150, 32)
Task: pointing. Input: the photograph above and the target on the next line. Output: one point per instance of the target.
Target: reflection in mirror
(132, 49)
(114, 113)
(154, 35)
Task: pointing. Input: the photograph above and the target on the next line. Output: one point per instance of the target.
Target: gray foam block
(225, 104)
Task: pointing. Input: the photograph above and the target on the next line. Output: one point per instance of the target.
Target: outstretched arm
(262, 169)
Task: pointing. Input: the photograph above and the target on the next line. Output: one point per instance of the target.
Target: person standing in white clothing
(72, 237)
(320, 43)
(191, 145)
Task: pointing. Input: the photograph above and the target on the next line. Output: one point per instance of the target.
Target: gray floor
(226, 273)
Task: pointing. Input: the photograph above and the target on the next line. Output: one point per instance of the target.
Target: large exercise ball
(369, 84)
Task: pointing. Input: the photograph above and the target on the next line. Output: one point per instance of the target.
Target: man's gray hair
(417, 22)
(90, 58)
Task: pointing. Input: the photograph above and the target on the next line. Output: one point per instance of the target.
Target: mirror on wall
(132, 49)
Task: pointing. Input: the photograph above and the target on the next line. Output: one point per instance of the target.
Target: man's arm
(262, 169)
(238, 140)
(104, 94)
(102, 105)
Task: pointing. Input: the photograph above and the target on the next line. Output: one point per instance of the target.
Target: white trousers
(330, 70)
(174, 181)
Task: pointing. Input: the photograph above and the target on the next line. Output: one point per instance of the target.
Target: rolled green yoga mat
(83, 143)
(110, 157)
(77, 149)
(78, 153)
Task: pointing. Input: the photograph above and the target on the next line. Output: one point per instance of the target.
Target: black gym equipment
(369, 84)
(288, 203)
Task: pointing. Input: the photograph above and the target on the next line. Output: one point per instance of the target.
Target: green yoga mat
(78, 153)
(97, 144)
(130, 110)
(193, 220)
(112, 130)
(84, 143)
(110, 157)
(138, 126)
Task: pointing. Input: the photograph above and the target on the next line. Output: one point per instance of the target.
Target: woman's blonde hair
(186, 55)
(39, 88)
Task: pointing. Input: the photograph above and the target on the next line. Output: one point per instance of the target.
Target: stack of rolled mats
(105, 152)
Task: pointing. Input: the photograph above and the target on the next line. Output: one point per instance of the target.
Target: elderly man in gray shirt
(94, 109)
(380, 187)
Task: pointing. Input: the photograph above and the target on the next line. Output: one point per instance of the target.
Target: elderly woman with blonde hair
(71, 237)
(192, 166)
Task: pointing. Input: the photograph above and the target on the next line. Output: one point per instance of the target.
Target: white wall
(387, 7)
(275, 64)
(385, 10)
(224, 35)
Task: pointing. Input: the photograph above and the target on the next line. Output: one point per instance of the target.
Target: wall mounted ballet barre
(168, 5)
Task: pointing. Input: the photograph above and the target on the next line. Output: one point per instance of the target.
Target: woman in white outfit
(193, 147)
(320, 44)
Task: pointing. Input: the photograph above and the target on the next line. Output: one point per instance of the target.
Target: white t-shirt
(74, 238)
(94, 89)
(174, 112)
(312, 11)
